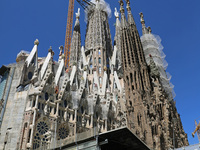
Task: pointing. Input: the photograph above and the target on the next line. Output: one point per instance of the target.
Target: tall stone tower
(150, 108)
(136, 77)
(106, 87)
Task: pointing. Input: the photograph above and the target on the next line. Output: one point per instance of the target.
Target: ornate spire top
(78, 14)
(61, 50)
(77, 23)
(121, 6)
(130, 16)
(149, 29)
(144, 29)
(128, 5)
(117, 17)
(97, 4)
(61, 55)
(123, 17)
(116, 13)
(142, 18)
(50, 49)
(36, 42)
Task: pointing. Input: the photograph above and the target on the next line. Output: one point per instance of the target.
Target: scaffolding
(152, 46)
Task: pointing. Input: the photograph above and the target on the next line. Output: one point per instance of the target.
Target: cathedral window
(38, 105)
(42, 127)
(36, 143)
(89, 121)
(55, 110)
(131, 76)
(46, 96)
(42, 106)
(152, 130)
(130, 103)
(30, 75)
(99, 52)
(154, 145)
(127, 80)
(156, 132)
(50, 109)
(63, 132)
(33, 103)
(99, 60)
(99, 70)
(29, 136)
(65, 103)
(115, 85)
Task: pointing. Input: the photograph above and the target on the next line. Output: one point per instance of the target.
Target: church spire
(98, 42)
(144, 29)
(123, 17)
(129, 56)
(76, 42)
(138, 48)
(130, 16)
(117, 39)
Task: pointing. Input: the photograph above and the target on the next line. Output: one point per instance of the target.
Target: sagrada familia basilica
(107, 86)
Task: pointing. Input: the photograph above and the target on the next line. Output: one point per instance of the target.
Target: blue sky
(175, 21)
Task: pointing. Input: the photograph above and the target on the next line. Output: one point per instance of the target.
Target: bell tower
(136, 77)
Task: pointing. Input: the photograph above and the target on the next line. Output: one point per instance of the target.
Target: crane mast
(68, 36)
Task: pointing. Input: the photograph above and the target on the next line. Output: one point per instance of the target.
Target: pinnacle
(36, 42)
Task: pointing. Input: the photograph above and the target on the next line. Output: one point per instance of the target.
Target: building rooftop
(117, 139)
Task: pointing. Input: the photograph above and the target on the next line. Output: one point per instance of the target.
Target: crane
(197, 130)
(68, 35)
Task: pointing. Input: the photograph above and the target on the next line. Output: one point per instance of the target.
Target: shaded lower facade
(118, 139)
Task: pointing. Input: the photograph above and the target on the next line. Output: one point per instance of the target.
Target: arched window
(99, 70)
(99, 60)
(99, 52)
(90, 62)
(46, 96)
(38, 105)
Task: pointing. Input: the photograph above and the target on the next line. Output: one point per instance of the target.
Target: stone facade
(104, 88)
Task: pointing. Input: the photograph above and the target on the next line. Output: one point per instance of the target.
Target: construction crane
(68, 36)
(197, 130)
(85, 3)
